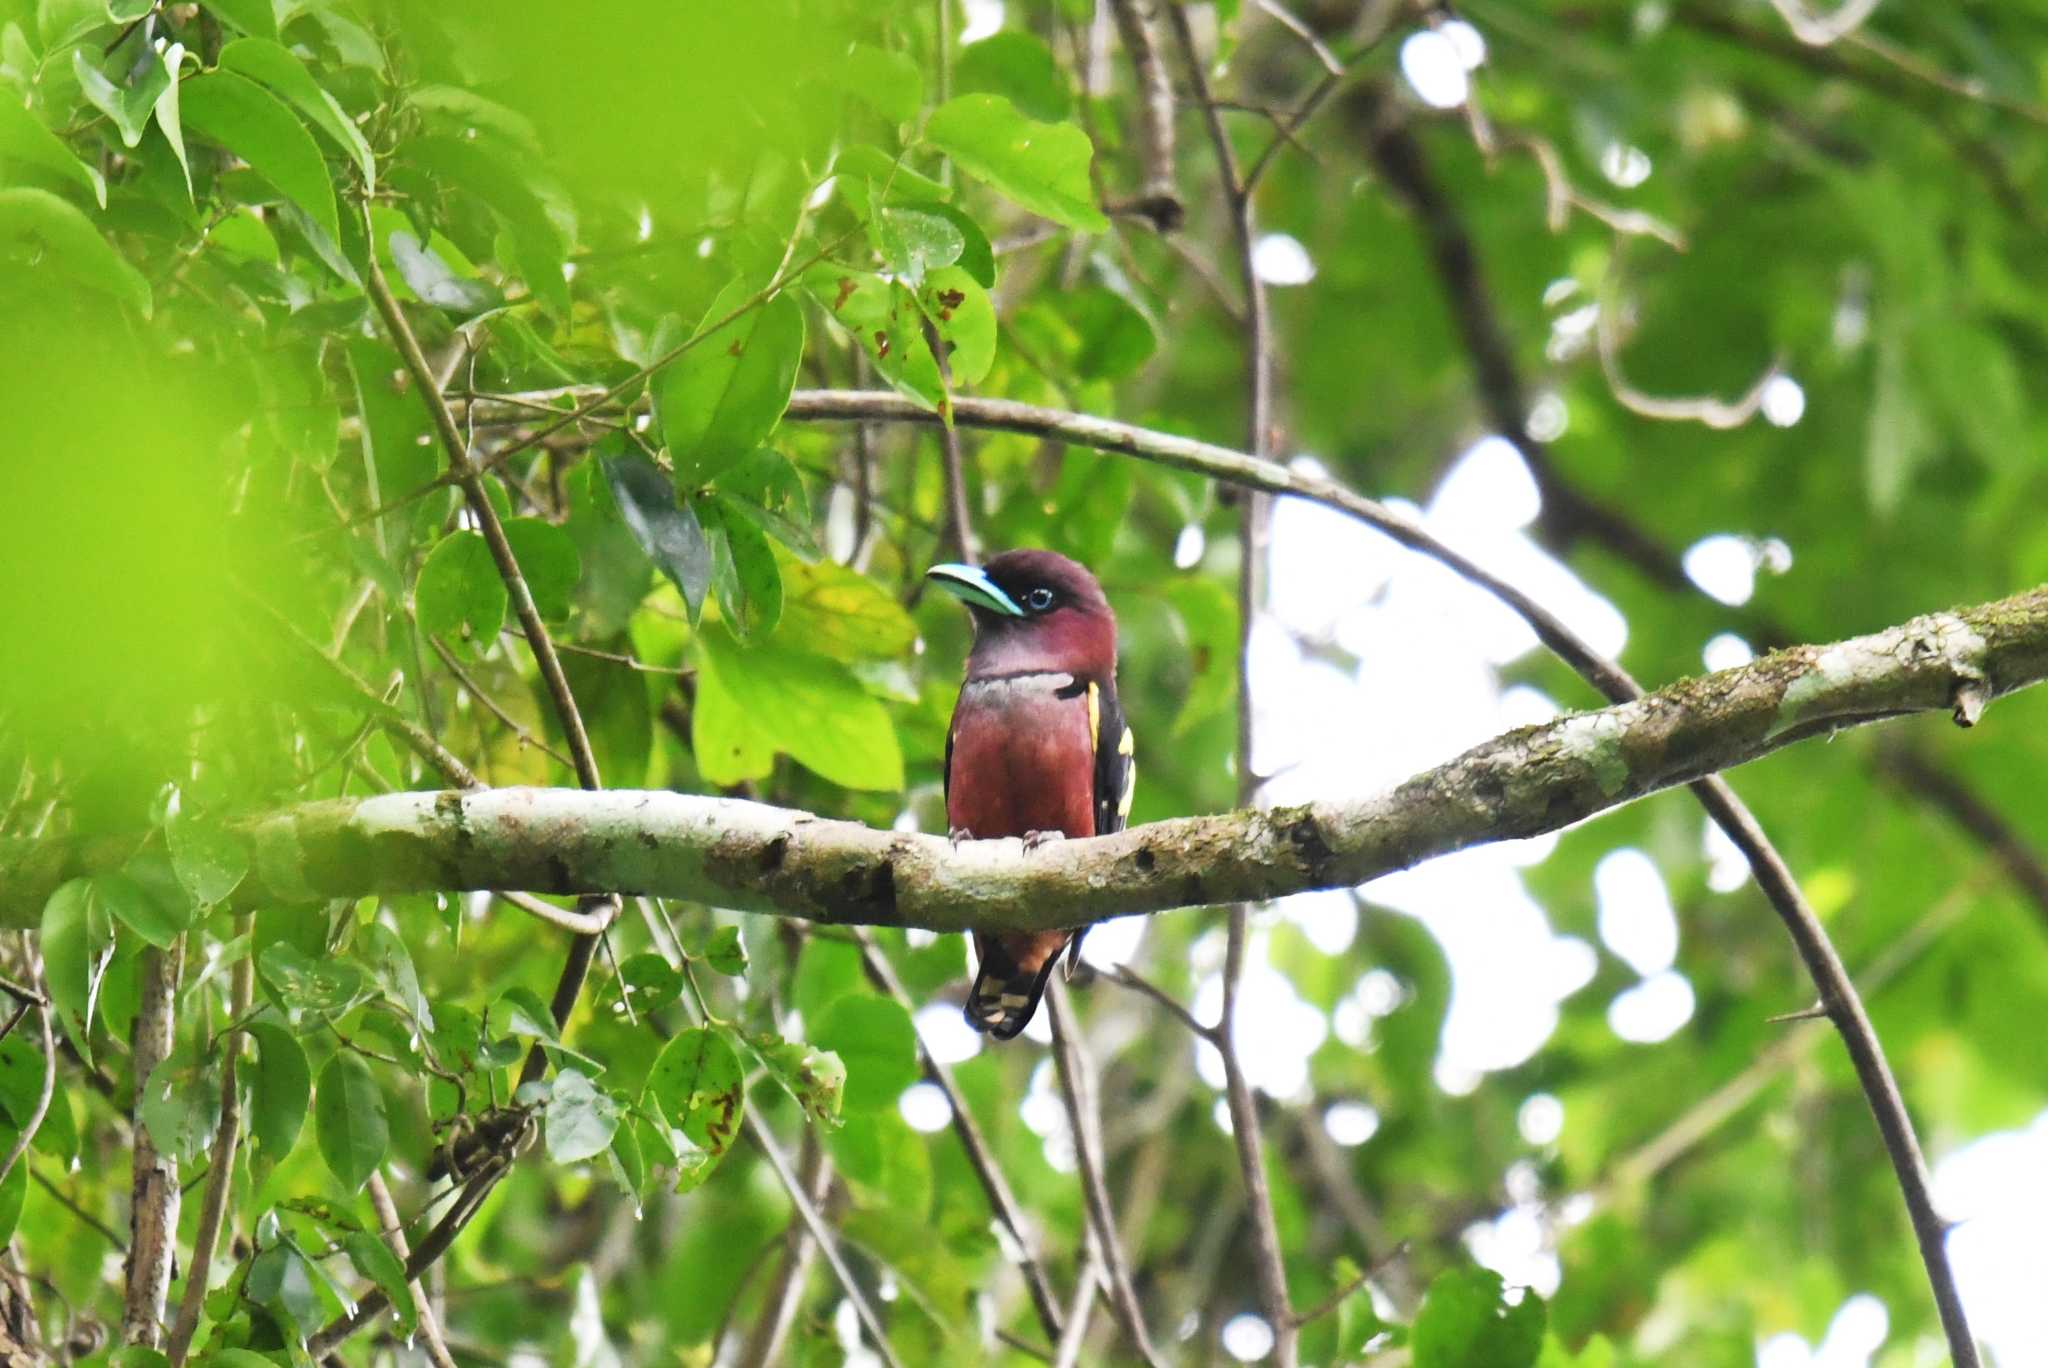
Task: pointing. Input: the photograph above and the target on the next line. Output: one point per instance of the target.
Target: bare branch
(1077, 1088)
(1913, 771)
(1158, 197)
(1002, 1202)
(1270, 1263)
(227, 1136)
(393, 1230)
(154, 1194)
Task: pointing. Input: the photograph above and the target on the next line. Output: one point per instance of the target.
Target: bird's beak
(971, 584)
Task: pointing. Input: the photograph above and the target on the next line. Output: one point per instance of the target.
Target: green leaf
(727, 953)
(666, 528)
(517, 1010)
(721, 399)
(1018, 65)
(280, 1086)
(468, 112)
(1043, 167)
(548, 561)
(375, 1260)
(77, 941)
(250, 16)
(649, 982)
(753, 702)
(348, 1111)
(699, 1086)
(885, 320)
(24, 139)
(136, 1356)
(751, 597)
(134, 908)
(436, 283)
(865, 171)
(64, 240)
(1114, 338)
(14, 1191)
(168, 121)
(580, 1120)
(842, 613)
(966, 321)
(1208, 617)
(459, 586)
(888, 82)
(209, 863)
(977, 257)
(256, 126)
(766, 488)
(325, 987)
(392, 964)
(261, 59)
(128, 106)
(815, 1078)
(875, 1039)
(914, 241)
(881, 1153)
(21, 1087)
(1465, 1323)
(181, 1104)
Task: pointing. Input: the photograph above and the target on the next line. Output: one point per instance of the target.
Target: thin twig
(1130, 978)
(582, 923)
(1002, 1202)
(394, 1235)
(65, 1200)
(1158, 196)
(526, 738)
(1920, 776)
(1068, 1351)
(770, 1332)
(1270, 1261)
(821, 1232)
(1070, 1062)
(227, 1136)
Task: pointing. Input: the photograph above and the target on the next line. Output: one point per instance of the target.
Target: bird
(1038, 747)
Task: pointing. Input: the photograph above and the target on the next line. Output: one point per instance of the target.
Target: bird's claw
(958, 834)
(1034, 839)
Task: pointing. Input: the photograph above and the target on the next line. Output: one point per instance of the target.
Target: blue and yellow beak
(971, 584)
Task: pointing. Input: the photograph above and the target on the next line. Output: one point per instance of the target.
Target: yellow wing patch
(1127, 747)
(1094, 715)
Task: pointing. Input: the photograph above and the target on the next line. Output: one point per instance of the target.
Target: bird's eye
(1039, 599)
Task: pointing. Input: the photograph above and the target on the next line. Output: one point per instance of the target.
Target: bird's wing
(1116, 762)
(1116, 775)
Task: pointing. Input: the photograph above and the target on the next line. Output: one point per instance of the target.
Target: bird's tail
(1011, 979)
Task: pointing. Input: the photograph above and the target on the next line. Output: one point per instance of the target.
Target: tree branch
(1077, 1087)
(154, 1193)
(1002, 1202)
(227, 1137)
(739, 854)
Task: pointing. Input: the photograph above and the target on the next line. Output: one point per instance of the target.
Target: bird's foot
(958, 834)
(1034, 839)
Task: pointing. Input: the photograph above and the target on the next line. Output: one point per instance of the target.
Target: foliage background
(215, 458)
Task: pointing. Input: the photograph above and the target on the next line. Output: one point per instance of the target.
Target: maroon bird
(1038, 746)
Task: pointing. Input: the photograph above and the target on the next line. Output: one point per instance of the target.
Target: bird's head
(1033, 610)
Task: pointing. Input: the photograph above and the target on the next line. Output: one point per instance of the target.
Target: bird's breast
(1023, 757)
